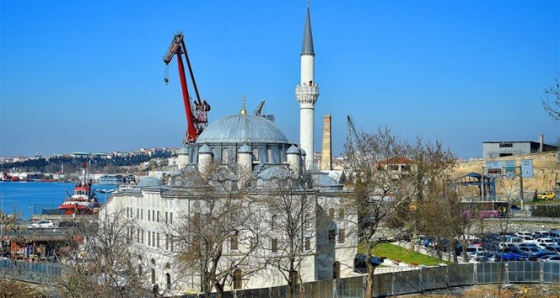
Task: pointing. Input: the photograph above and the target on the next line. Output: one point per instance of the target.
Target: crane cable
(166, 74)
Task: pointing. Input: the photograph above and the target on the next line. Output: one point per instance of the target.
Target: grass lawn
(395, 252)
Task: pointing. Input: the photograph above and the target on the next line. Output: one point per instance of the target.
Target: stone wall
(546, 171)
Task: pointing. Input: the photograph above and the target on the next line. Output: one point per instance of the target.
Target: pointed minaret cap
(307, 48)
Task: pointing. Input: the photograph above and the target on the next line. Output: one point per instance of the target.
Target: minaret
(307, 93)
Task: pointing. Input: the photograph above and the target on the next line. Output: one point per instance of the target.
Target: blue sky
(88, 75)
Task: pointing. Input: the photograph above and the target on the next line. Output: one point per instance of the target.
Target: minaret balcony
(310, 90)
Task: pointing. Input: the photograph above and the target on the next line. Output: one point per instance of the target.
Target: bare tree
(218, 237)
(551, 101)
(292, 226)
(392, 175)
(102, 265)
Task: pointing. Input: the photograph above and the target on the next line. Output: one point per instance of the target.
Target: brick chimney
(326, 151)
(541, 143)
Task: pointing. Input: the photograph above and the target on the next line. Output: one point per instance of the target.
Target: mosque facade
(246, 187)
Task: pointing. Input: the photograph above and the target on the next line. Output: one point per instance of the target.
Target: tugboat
(83, 200)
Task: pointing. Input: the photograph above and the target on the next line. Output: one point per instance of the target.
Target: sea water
(28, 198)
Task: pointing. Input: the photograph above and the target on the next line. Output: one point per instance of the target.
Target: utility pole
(521, 189)
(482, 184)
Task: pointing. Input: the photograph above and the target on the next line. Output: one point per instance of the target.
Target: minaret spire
(307, 48)
(307, 92)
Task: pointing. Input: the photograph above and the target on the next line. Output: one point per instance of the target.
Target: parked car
(549, 258)
(42, 224)
(478, 256)
(544, 242)
(471, 250)
(553, 248)
(505, 256)
(540, 254)
(546, 195)
(518, 251)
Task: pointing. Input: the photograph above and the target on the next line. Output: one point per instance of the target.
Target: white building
(243, 165)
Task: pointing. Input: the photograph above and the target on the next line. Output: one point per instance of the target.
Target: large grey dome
(242, 129)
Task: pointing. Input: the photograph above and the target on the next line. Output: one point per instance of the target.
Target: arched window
(255, 154)
(336, 270)
(167, 266)
(153, 276)
(237, 282)
(225, 155)
(153, 261)
(168, 280)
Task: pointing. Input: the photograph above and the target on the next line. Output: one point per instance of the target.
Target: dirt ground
(491, 291)
(15, 289)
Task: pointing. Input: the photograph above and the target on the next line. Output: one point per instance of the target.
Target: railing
(413, 280)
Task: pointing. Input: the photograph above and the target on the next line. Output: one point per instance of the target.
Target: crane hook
(166, 74)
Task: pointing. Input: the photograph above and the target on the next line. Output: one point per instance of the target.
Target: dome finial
(243, 110)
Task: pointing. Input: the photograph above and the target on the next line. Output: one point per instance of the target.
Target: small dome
(293, 150)
(242, 129)
(150, 182)
(205, 149)
(244, 149)
(274, 173)
(324, 180)
(184, 151)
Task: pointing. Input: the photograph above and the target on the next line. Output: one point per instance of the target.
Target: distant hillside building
(509, 148)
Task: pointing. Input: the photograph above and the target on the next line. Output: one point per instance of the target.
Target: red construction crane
(197, 118)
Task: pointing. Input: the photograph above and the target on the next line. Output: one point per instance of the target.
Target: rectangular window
(141, 214)
(171, 240)
(166, 241)
(235, 242)
(153, 215)
(332, 236)
(196, 219)
(137, 213)
(157, 218)
(148, 215)
(274, 245)
(166, 216)
(331, 213)
(341, 235)
(158, 240)
(341, 213)
(149, 238)
(307, 243)
(142, 242)
(171, 217)
(153, 238)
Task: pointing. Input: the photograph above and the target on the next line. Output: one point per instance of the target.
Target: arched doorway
(336, 270)
(237, 282)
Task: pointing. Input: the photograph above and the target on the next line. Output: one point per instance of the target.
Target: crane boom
(196, 116)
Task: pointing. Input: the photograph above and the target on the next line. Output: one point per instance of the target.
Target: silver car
(42, 224)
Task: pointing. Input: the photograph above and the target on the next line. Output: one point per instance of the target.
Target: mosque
(242, 169)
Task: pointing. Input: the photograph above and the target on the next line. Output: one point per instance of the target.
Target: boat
(83, 199)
